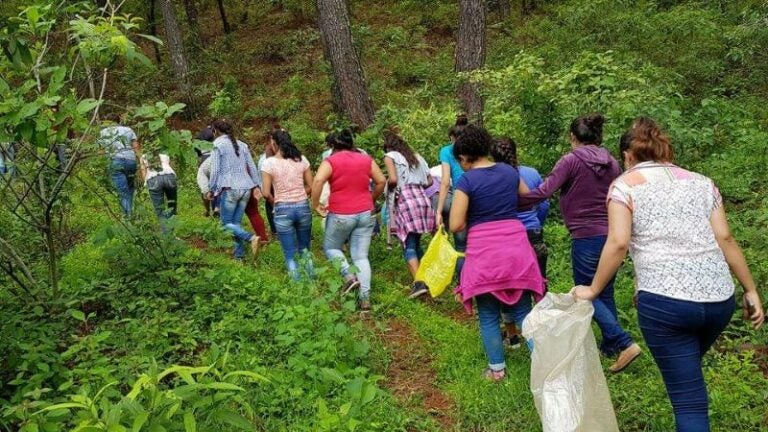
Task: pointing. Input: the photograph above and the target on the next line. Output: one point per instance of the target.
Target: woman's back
(231, 169)
(673, 245)
(492, 193)
(407, 174)
(287, 178)
(350, 182)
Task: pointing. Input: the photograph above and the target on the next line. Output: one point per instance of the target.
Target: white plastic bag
(567, 381)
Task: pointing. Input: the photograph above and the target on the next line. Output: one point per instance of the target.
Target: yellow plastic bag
(438, 264)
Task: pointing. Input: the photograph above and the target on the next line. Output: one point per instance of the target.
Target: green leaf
(234, 419)
(76, 314)
(139, 421)
(66, 405)
(190, 425)
(87, 105)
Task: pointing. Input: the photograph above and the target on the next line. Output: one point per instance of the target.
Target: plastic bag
(438, 263)
(567, 381)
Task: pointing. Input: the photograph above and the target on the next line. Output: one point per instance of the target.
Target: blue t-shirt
(446, 156)
(534, 218)
(492, 193)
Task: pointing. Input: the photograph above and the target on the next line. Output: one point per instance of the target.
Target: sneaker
(255, 245)
(418, 289)
(365, 306)
(493, 375)
(349, 286)
(515, 341)
(626, 357)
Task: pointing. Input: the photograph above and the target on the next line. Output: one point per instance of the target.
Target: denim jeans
(585, 255)
(233, 202)
(412, 248)
(294, 230)
(358, 230)
(678, 334)
(123, 174)
(162, 192)
(488, 310)
(459, 238)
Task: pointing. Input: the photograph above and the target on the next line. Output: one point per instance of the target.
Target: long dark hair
(393, 142)
(588, 129)
(505, 150)
(286, 145)
(227, 129)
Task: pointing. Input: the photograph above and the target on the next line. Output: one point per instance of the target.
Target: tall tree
(191, 11)
(505, 8)
(223, 13)
(348, 79)
(152, 22)
(470, 53)
(175, 45)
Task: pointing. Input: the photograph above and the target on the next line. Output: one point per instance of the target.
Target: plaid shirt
(229, 170)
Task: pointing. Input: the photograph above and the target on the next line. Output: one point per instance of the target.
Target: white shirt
(165, 167)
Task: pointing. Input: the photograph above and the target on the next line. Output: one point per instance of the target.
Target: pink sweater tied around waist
(500, 261)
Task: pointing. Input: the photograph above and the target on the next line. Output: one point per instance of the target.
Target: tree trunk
(152, 21)
(470, 53)
(191, 10)
(505, 9)
(223, 13)
(176, 49)
(348, 79)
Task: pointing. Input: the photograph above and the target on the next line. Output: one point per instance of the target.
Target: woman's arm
(308, 180)
(378, 179)
(323, 174)
(391, 171)
(554, 181)
(735, 259)
(459, 207)
(445, 186)
(614, 251)
(266, 190)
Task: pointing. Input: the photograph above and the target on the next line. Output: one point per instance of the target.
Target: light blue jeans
(488, 308)
(233, 202)
(293, 222)
(358, 230)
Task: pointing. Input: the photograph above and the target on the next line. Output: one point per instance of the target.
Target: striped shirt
(229, 170)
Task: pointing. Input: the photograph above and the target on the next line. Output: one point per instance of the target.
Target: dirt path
(410, 375)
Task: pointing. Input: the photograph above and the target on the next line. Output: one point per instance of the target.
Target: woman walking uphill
(408, 173)
(288, 172)
(485, 204)
(673, 223)
(349, 212)
(234, 179)
(583, 177)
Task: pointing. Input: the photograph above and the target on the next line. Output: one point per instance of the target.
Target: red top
(350, 183)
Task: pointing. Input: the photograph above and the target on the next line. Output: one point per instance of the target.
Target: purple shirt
(583, 177)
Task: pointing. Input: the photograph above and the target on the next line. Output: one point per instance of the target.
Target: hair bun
(462, 120)
(595, 120)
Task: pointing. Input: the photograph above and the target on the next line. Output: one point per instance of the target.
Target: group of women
(670, 220)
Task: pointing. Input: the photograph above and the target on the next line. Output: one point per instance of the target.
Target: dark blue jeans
(294, 230)
(123, 174)
(585, 255)
(678, 334)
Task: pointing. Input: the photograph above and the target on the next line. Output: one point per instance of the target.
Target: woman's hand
(583, 292)
(753, 309)
(209, 196)
(256, 192)
(438, 219)
(322, 210)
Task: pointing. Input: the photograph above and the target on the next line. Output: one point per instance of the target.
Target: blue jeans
(678, 334)
(358, 230)
(163, 193)
(488, 311)
(233, 202)
(459, 238)
(293, 222)
(585, 255)
(412, 247)
(123, 174)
